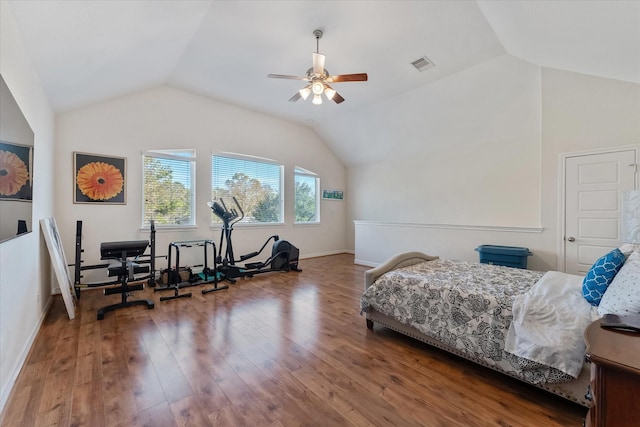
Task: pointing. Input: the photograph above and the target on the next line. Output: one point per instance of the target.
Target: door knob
(571, 239)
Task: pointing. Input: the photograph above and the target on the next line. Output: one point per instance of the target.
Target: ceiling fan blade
(284, 76)
(318, 64)
(359, 77)
(295, 97)
(337, 98)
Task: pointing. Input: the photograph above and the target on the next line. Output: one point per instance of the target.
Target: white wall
(474, 156)
(580, 113)
(25, 285)
(504, 175)
(168, 118)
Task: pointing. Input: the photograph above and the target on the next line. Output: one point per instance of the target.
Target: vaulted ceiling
(89, 51)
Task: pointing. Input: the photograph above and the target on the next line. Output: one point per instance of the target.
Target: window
(306, 196)
(255, 182)
(168, 180)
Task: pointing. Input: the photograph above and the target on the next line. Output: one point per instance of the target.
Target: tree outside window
(255, 183)
(306, 208)
(168, 187)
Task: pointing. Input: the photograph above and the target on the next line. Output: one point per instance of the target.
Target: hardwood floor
(281, 349)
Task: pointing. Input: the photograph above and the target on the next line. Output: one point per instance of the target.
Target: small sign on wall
(333, 194)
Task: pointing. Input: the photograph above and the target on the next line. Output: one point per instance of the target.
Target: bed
(491, 315)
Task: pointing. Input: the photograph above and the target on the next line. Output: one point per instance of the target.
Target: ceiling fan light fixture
(317, 87)
(317, 78)
(329, 92)
(304, 92)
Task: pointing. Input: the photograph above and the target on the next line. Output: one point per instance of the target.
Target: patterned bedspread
(464, 305)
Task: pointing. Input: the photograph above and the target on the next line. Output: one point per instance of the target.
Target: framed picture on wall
(15, 171)
(332, 194)
(99, 179)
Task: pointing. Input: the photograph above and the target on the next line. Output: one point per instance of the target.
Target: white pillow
(628, 248)
(623, 294)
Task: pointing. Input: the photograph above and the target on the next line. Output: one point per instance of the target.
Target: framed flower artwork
(15, 171)
(99, 179)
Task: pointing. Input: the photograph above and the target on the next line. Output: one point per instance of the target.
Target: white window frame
(299, 171)
(180, 155)
(243, 157)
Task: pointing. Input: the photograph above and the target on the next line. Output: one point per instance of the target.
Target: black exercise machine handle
(229, 216)
(239, 208)
(275, 238)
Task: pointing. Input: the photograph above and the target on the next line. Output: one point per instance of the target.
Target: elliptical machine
(284, 256)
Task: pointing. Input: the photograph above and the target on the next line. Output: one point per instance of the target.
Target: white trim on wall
(452, 226)
(376, 241)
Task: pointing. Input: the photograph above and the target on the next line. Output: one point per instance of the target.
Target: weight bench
(125, 270)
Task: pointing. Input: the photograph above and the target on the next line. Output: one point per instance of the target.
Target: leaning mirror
(16, 168)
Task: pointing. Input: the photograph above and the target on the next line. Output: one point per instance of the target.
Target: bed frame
(574, 390)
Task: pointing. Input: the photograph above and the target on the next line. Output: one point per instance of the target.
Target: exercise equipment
(175, 282)
(284, 256)
(124, 269)
(142, 259)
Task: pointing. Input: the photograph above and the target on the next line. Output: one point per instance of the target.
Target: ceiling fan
(319, 78)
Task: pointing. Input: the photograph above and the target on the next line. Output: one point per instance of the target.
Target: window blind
(169, 190)
(255, 183)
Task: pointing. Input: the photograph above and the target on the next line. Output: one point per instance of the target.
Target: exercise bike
(284, 256)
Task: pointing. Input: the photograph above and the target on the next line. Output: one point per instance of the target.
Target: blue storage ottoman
(509, 256)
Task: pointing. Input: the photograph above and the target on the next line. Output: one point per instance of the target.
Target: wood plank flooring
(280, 349)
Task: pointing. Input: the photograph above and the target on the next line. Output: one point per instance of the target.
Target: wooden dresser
(615, 377)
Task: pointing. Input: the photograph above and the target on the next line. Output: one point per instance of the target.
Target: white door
(594, 185)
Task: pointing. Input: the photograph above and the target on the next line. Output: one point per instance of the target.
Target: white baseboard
(366, 263)
(319, 254)
(6, 393)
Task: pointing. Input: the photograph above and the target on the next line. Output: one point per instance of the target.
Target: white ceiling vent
(423, 64)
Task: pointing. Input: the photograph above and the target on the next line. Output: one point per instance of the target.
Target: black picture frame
(99, 179)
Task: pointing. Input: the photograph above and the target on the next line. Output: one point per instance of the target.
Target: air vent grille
(423, 64)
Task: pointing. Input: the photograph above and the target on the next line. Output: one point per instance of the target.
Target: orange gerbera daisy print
(99, 181)
(13, 173)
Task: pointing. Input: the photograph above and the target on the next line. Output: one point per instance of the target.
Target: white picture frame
(59, 262)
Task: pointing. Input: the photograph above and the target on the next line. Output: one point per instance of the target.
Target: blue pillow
(600, 275)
